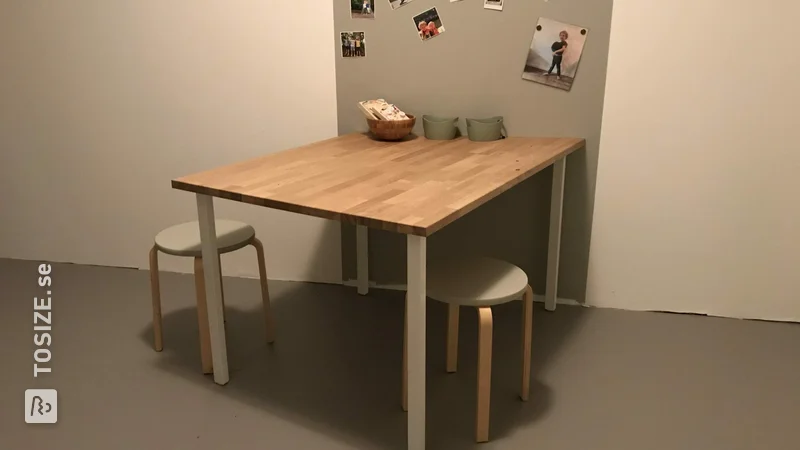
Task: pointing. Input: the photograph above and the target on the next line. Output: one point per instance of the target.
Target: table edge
(416, 230)
(302, 209)
(455, 215)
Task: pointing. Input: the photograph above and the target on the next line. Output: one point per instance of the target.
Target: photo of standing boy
(558, 48)
(555, 46)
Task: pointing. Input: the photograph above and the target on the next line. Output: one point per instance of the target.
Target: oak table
(415, 187)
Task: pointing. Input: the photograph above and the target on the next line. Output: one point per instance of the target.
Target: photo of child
(558, 47)
(496, 5)
(353, 44)
(428, 24)
(362, 9)
(398, 3)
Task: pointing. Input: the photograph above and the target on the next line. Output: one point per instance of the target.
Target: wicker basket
(391, 130)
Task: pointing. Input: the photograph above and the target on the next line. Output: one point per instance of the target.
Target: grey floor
(602, 379)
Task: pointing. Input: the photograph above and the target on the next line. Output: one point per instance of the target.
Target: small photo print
(554, 54)
(362, 9)
(398, 3)
(353, 45)
(428, 24)
(496, 5)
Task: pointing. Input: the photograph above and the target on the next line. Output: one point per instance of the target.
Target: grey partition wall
(474, 69)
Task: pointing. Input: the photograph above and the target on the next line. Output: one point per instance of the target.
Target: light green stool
(482, 283)
(184, 240)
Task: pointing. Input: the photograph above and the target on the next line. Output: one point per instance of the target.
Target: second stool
(482, 283)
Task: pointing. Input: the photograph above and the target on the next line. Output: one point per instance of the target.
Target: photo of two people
(428, 24)
(554, 53)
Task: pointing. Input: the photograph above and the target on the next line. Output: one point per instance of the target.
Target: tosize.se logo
(41, 406)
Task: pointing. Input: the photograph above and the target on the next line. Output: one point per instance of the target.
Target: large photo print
(554, 53)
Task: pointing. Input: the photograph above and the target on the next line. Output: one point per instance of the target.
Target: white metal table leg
(213, 285)
(362, 259)
(416, 341)
(554, 245)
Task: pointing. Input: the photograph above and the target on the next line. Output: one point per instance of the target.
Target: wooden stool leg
(202, 317)
(527, 333)
(262, 274)
(155, 293)
(484, 374)
(452, 337)
(404, 400)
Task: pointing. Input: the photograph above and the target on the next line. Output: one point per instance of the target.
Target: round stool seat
(475, 281)
(184, 239)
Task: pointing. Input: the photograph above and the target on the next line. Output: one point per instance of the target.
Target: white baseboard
(571, 302)
(402, 287)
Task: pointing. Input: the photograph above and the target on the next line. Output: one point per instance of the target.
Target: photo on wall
(398, 3)
(554, 54)
(362, 9)
(428, 24)
(353, 44)
(496, 5)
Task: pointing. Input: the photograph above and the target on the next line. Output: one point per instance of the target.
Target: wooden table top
(414, 187)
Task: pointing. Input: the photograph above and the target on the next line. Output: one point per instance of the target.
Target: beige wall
(102, 103)
(462, 73)
(698, 188)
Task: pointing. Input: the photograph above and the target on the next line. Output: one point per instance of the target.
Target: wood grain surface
(416, 186)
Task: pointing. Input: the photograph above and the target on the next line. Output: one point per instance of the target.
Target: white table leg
(216, 324)
(554, 245)
(362, 259)
(416, 342)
